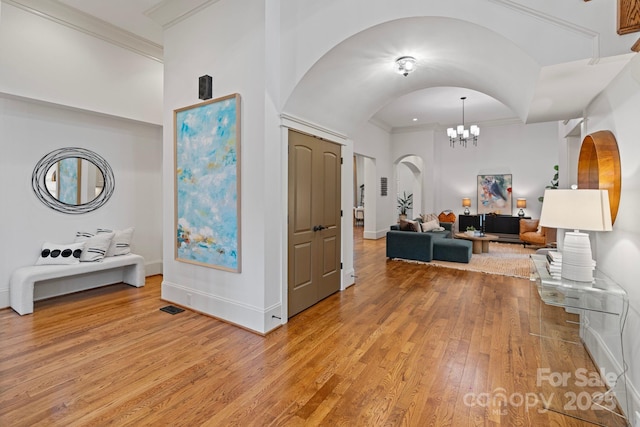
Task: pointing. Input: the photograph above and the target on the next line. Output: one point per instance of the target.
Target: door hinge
(340, 266)
(341, 212)
(341, 160)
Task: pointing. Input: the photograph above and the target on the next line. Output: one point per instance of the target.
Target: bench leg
(22, 298)
(134, 275)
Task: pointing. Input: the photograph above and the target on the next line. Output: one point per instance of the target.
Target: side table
(567, 315)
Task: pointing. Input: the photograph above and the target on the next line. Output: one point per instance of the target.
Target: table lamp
(521, 204)
(466, 203)
(578, 210)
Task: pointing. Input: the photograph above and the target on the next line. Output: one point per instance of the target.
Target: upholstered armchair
(531, 234)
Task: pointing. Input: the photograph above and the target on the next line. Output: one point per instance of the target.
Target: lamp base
(577, 262)
(466, 211)
(521, 213)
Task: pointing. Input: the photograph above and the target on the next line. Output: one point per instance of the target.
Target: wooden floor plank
(407, 345)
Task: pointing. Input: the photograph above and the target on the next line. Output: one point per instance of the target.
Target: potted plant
(404, 204)
(471, 230)
(554, 183)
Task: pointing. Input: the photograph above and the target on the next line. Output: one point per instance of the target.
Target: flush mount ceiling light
(405, 65)
(460, 134)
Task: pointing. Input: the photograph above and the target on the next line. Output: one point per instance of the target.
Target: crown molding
(87, 24)
(170, 12)
(561, 23)
(293, 122)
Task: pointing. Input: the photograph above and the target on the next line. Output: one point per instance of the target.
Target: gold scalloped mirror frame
(599, 166)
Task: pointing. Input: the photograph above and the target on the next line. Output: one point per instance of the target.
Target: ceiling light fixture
(405, 65)
(460, 134)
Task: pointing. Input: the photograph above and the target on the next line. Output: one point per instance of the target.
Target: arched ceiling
(355, 81)
(514, 60)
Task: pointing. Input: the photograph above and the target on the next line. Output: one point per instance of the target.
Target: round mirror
(73, 180)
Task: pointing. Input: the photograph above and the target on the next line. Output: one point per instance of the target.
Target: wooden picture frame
(207, 183)
(628, 16)
(494, 194)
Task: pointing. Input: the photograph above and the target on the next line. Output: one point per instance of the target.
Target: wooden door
(314, 221)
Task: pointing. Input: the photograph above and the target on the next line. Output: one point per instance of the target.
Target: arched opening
(409, 178)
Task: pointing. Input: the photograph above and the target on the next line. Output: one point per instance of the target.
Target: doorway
(314, 220)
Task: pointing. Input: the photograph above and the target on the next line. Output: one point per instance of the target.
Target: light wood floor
(408, 345)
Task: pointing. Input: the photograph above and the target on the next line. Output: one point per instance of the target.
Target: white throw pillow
(65, 254)
(95, 247)
(431, 225)
(121, 242)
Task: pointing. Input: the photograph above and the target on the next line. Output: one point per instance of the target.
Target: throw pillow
(409, 225)
(428, 217)
(431, 225)
(95, 246)
(60, 254)
(121, 242)
(447, 216)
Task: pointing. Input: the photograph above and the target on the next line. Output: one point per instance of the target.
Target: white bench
(23, 279)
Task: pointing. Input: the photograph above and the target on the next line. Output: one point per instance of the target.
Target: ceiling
(565, 84)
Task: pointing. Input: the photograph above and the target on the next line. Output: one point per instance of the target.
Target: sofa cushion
(454, 250)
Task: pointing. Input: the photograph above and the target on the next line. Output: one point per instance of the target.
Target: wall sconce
(521, 204)
(466, 204)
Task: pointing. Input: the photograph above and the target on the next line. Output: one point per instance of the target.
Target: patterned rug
(506, 259)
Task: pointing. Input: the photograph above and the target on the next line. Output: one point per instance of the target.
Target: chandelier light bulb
(460, 134)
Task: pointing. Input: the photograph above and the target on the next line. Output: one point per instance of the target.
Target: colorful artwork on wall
(494, 194)
(207, 183)
(69, 176)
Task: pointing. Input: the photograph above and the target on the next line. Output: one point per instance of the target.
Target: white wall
(28, 131)
(528, 152)
(227, 41)
(373, 142)
(45, 60)
(617, 253)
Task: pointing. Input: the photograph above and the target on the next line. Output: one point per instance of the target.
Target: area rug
(506, 259)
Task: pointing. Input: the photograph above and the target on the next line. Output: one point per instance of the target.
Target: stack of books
(554, 264)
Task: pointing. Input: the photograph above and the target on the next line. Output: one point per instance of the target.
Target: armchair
(531, 234)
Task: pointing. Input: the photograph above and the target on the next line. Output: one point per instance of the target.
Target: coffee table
(480, 243)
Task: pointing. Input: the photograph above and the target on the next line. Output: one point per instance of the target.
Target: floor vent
(172, 309)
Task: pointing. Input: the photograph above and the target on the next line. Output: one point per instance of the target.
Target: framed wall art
(494, 194)
(207, 183)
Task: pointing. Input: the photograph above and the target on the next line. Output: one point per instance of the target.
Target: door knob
(318, 227)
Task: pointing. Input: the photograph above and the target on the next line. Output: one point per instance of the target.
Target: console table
(506, 227)
(566, 315)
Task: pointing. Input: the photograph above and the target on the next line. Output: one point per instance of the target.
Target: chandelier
(460, 134)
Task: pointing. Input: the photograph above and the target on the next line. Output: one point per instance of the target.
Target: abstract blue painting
(207, 183)
(69, 175)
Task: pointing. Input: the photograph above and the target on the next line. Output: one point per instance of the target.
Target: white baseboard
(348, 278)
(153, 268)
(604, 359)
(374, 235)
(246, 316)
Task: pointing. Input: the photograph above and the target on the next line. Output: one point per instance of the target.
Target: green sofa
(427, 246)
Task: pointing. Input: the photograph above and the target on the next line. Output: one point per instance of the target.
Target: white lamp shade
(576, 210)
(460, 129)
